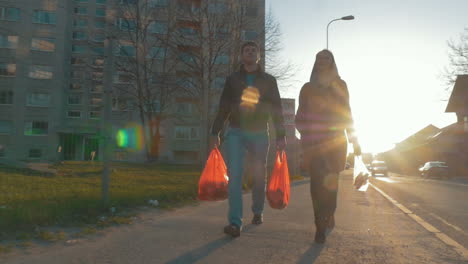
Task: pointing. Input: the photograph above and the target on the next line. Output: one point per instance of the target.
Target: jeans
(237, 142)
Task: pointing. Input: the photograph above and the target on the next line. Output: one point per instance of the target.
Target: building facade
(52, 75)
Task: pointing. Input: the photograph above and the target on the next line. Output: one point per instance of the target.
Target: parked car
(437, 169)
(378, 167)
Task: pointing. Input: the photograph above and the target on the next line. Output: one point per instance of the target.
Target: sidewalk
(368, 230)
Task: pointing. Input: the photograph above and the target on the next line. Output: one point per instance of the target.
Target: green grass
(29, 199)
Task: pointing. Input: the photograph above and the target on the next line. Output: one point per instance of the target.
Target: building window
(97, 76)
(75, 86)
(249, 35)
(158, 27)
(77, 74)
(100, 12)
(186, 82)
(97, 88)
(218, 83)
(98, 51)
(8, 41)
(157, 53)
(7, 70)
(99, 24)
(36, 128)
(2, 151)
(41, 72)
(222, 59)
(43, 44)
(99, 38)
(38, 99)
(95, 99)
(217, 8)
(79, 35)
(94, 114)
(186, 133)
(187, 57)
(80, 23)
(6, 127)
(78, 61)
(6, 97)
(184, 108)
(126, 49)
(251, 11)
(78, 49)
(44, 17)
(74, 114)
(9, 13)
(158, 3)
(35, 153)
(125, 24)
(123, 77)
(80, 10)
(222, 33)
(101, 2)
(74, 99)
(187, 31)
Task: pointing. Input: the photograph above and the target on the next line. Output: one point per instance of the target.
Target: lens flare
(131, 137)
(249, 99)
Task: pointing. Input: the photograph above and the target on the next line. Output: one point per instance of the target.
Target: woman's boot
(331, 222)
(321, 226)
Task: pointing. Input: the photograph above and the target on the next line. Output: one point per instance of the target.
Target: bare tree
(144, 65)
(283, 70)
(209, 34)
(458, 60)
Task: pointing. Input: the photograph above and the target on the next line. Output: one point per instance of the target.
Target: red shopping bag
(278, 188)
(213, 183)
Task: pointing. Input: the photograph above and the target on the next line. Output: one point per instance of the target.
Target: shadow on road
(201, 252)
(311, 254)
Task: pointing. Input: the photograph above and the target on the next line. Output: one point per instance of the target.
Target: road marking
(441, 236)
(447, 223)
(385, 179)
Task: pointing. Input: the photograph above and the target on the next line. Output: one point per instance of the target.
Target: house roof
(421, 135)
(458, 102)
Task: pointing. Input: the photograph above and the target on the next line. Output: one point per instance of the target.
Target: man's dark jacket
(249, 108)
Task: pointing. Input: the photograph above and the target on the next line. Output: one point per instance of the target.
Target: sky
(391, 57)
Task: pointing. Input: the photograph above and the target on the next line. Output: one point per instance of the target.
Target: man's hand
(214, 142)
(280, 143)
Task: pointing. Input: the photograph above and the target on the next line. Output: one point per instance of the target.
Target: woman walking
(325, 122)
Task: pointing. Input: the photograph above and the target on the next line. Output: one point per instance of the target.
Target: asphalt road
(442, 203)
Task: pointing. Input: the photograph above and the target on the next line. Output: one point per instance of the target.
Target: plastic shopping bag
(279, 188)
(213, 183)
(360, 175)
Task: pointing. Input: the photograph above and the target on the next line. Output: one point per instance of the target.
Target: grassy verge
(72, 197)
(31, 200)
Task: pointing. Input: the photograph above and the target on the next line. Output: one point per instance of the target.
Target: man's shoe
(232, 230)
(320, 236)
(331, 222)
(257, 219)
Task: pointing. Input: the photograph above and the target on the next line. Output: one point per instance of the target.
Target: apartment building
(52, 57)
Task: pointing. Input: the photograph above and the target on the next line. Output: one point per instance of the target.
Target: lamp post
(342, 18)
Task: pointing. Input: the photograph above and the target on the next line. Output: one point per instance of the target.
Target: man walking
(250, 97)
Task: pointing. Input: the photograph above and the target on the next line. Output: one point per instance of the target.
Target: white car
(434, 169)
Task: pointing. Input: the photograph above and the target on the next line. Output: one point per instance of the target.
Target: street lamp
(343, 18)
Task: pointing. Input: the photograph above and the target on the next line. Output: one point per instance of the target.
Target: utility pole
(106, 124)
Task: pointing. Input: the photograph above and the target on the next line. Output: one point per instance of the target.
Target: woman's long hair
(326, 77)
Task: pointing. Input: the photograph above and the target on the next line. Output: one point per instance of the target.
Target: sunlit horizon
(391, 57)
